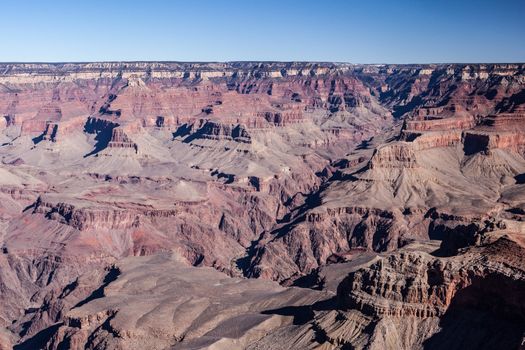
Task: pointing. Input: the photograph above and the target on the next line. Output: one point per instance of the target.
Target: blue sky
(403, 31)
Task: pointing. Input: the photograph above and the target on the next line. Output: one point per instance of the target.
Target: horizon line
(258, 61)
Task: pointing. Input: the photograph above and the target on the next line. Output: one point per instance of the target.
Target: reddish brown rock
(272, 170)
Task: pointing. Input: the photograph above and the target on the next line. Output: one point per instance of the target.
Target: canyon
(262, 205)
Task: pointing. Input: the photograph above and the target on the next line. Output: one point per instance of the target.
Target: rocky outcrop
(414, 284)
(119, 139)
(429, 140)
(397, 155)
(439, 124)
(483, 141)
(213, 130)
(505, 121)
(282, 118)
(404, 285)
(86, 218)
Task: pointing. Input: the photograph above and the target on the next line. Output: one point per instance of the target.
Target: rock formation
(141, 200)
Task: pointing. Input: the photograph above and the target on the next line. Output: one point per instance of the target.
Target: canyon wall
(266, 170)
